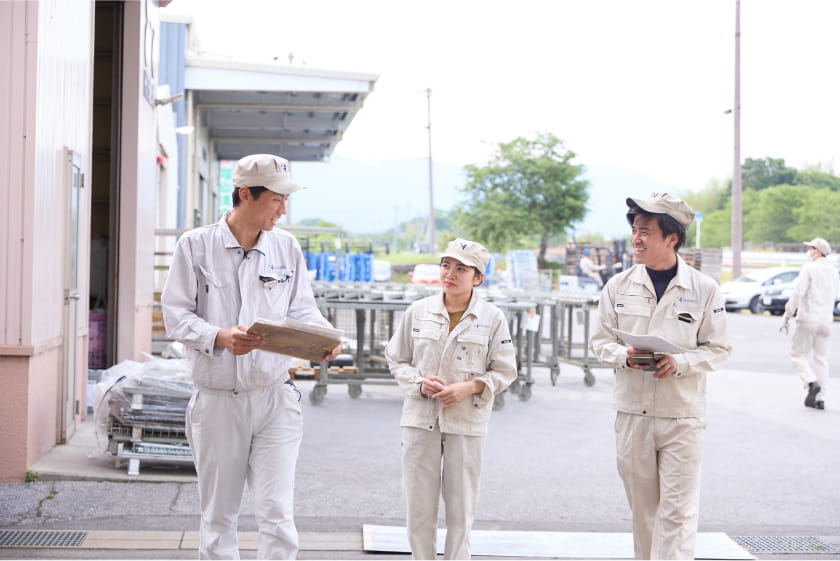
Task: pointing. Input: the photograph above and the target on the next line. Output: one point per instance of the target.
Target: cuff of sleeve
(208, 342)
(682, 365)
(486, 395)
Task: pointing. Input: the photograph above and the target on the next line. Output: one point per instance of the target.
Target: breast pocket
(213, 287)
(471, 354)
(274, 295)
(684, 326)
(632, 312)
(426, 338)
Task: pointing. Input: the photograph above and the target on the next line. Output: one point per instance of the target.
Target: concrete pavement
(770, 469)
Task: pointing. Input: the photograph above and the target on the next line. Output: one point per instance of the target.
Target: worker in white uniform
(591, 269)
(661, 407)
(451, 354)
(244, 420)
(812, 304)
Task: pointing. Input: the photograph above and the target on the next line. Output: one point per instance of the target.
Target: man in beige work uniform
(660, 421)
(812, 304)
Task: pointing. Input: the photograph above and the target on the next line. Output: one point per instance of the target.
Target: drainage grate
(40, 538)
(784, 544)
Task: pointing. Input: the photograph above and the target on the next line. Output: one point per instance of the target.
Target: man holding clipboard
(244, 421)
(660, 386)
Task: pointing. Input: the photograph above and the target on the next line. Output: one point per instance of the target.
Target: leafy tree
(713, 197)
(816, 217)
(815, 176)
(758, 174)
(715, 230)
(529, 186)
(769, 214)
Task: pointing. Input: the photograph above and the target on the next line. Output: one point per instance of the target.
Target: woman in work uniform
(451, 354)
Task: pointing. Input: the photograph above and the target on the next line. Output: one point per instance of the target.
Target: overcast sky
(638, 84)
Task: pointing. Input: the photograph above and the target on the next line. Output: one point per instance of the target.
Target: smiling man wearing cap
(812, 304)
(244, 421)
(451, 354)
(660, 419)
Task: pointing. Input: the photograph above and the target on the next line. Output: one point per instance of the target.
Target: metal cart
(570, 331)
(369, 316)
(370, 324)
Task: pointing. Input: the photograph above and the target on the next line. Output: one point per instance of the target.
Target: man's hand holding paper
(642, 346)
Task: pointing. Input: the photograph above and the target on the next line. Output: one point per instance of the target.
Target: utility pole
(736, 173)
(432, 248)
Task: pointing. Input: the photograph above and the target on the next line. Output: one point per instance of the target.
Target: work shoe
(821, 405)
(811, 398)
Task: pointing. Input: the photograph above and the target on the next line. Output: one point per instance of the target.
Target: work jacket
(814, 293)
(478, 348)
(215, 284)
(690, 314)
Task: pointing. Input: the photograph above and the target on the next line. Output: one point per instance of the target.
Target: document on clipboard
(295, 338)
(652, 343)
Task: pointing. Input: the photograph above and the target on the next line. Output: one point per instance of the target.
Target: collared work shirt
(814, 293)
(478, 348)
(215, 284)
(690, 314)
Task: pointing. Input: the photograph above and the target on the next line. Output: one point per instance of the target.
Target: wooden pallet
(342, 369)
(304, 373)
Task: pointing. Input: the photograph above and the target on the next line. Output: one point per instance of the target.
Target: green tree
(815, 176)
(758, 174)
(716, 231)
(816, 217)
(769, 214)
(529, 186)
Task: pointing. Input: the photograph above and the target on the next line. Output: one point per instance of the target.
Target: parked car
(774, 298)
(425, 273)
(745, 291)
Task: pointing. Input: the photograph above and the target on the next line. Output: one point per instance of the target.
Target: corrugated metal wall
(63, 110)
(16, 105)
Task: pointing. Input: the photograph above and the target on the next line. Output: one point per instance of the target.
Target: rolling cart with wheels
(570, 334)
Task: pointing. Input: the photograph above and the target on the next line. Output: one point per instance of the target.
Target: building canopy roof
(297, 112)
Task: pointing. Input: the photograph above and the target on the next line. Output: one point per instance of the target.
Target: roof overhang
(297, 112)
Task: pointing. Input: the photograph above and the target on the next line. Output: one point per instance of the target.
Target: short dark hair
(255, 192)
(667, 223)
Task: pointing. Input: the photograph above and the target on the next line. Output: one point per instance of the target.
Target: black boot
(821, 404)
(811, 398)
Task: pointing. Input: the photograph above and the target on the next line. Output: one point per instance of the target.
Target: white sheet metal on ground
(582, 545)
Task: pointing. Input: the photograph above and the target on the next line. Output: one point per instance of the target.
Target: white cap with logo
(469, 253)
(264, 170)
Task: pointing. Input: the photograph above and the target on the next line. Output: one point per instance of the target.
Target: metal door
(69, 405)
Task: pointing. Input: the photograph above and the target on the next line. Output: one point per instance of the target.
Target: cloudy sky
(642, 85)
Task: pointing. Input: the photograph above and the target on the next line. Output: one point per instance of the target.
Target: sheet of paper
(532, 322)
(653, 343)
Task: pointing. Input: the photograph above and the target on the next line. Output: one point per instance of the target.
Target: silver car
(745, 291)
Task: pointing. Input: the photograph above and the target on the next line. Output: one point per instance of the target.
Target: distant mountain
(609, 187)
(373, 196)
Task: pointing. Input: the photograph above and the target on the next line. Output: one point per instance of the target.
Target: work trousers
(251, 437)
(659, 463)
(809, 352)
(436, 464)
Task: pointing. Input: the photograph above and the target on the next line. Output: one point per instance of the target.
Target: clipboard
(295, 338)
